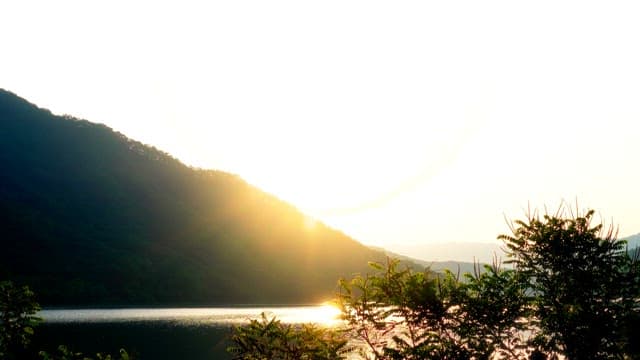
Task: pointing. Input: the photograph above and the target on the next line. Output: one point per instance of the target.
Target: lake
(162, 333)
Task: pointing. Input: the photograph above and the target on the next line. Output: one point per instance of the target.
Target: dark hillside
(88, 216)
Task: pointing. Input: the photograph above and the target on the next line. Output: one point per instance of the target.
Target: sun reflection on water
(327, 314)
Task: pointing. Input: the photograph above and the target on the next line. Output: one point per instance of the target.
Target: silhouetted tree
(17, 319)
(573, 292)
(17, 322)
(402, 314)
(583, 282)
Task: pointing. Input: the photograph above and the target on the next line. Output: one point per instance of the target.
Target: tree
(490, 306)
(17, 322)
(584, 285)
(402, 314)
(573, 293)
(17, 319)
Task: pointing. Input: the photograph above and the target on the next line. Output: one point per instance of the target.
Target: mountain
(633, 241)
(633, 244)
(466, 252)
(91, 217)
(457, 267)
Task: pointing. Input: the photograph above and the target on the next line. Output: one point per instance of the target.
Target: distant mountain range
(89, 216)
(460, 267)
(462, 256)
(633, 241)
(633, 244)
(469, 252)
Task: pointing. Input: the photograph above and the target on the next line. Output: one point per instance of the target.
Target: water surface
(162, 333)
(322, 314)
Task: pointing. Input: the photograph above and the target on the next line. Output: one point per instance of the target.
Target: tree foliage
(64, 353)
(584, 284)
(401, 314)
(17, 319)
(270, 339)
(573, 292)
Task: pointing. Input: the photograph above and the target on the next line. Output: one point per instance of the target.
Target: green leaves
(574, 292)
(401, 314)
(583, 284)
(64, 353)
(17, 319)
(268, 338)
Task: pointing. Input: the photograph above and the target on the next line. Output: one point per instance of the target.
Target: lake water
(164, 333)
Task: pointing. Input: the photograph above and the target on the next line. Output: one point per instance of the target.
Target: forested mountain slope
(88, 216)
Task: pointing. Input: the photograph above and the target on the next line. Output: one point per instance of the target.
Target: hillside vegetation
(89, 216)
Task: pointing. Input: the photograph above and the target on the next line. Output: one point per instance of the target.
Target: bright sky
(402, 123)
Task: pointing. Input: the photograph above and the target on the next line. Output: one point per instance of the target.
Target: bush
(63, 353)
(17, 322)
(17, 319)
(269, 339)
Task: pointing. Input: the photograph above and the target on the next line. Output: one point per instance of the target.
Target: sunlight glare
(327, 314)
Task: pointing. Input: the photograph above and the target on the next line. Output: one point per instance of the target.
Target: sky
(401, 123)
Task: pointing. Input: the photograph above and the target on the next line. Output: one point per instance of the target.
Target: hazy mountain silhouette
(465, 252)
(457, 267)
(633, 244)
(89, 216)
(633, 241)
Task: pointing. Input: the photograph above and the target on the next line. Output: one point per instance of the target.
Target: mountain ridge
(89, 216)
